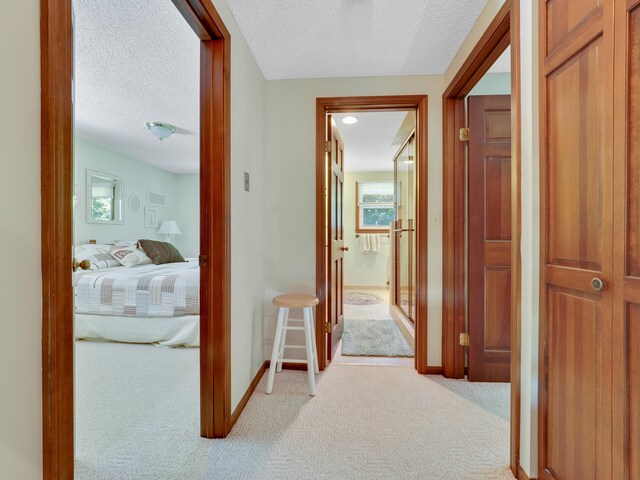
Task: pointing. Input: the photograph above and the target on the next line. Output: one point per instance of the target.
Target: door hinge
(202, 260)
(464, 134)
(327, 327)
(327, 146)
(464, 339)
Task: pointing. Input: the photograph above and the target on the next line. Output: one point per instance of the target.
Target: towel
(369, 243)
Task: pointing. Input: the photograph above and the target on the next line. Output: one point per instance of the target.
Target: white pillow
(98, 256)
(129, 255)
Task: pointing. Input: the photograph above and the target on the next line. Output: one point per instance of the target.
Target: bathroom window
(375, 208)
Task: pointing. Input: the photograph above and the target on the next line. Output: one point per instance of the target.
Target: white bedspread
(154, 291)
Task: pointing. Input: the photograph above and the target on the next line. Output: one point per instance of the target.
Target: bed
(139, 304)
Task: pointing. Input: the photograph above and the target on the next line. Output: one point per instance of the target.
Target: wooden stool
(306, 303)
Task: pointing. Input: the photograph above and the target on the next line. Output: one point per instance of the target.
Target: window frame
(360, 214)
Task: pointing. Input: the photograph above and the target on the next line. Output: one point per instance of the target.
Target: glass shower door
(404, 232)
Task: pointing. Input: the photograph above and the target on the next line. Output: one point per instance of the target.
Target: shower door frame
(395, 238)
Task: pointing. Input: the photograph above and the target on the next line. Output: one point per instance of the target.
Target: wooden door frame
(56, 41)
(503, 31)
(419, 103)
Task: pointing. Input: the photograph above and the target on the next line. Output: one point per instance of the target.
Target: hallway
(366, 422)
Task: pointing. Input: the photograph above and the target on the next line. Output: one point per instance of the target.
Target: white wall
(493, 84)
(291, 185)
(138, 178)
(20, 358)
(530, 244)
(247, 210)
(182, 191)
(188, 214)
(362, 269)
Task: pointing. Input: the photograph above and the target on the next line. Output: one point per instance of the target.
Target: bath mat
(374, 338)
(361, 298)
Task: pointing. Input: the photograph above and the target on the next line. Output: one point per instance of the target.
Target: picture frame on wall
(150, 217)
(156, 199)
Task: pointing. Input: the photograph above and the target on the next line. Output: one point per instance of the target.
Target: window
(104, 198)
(375, 208)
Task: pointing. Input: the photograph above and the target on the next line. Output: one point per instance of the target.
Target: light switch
(436, 221)
(246, 181)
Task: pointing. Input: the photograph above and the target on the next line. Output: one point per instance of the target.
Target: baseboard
(247, 395)
(434, 370)
(289, 366)
(522, 475)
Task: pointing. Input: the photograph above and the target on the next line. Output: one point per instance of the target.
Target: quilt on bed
(169, 290)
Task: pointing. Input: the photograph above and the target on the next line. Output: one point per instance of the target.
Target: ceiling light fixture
(161, 130)
(350, 120)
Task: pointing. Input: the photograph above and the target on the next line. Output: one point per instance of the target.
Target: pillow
(161, 252)
(129, 255)
(98, 255)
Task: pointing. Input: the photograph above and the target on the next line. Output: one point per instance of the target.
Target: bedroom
(136, 227)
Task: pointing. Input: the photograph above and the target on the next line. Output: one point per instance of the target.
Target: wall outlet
(436, 220)
(246, 181)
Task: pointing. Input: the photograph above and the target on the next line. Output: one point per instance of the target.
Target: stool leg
(314, 342)
(283, 340)
(276, 348)
(308, 335)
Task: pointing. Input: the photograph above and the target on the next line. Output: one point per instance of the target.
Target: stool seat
(295, 300)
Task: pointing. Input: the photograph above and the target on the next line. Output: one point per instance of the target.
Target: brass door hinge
(327, 146)
(202, 260)
(464, 339)
(464, 134)
(327, 327)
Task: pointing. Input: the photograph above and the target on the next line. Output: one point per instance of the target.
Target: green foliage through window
(102, 209)
(377, 217)
(376, 202)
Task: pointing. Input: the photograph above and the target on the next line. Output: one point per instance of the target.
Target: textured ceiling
(370, 144)
(137, 61)
(354, 38)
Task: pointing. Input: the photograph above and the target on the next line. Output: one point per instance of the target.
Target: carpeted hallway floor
(137, 418)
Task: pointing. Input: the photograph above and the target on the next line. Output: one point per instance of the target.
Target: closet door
(626, 404)
(577, 161)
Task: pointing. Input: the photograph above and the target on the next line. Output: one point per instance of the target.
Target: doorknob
(344, 249)
(597, 284)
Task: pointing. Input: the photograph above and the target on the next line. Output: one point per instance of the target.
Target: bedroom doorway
(111, 198)
(136, 153)
(373, 228)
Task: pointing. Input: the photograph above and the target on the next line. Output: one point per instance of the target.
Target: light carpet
(374, 338)
(137, 418)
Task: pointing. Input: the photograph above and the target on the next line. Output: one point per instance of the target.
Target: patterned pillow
(98, 255)
(129, 255)
(161, 252)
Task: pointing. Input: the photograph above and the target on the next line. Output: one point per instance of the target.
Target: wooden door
(335, 158)
(489, 227)
(576, 179)
(626, 231)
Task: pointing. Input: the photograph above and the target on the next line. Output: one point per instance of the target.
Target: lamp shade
(170, 227)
